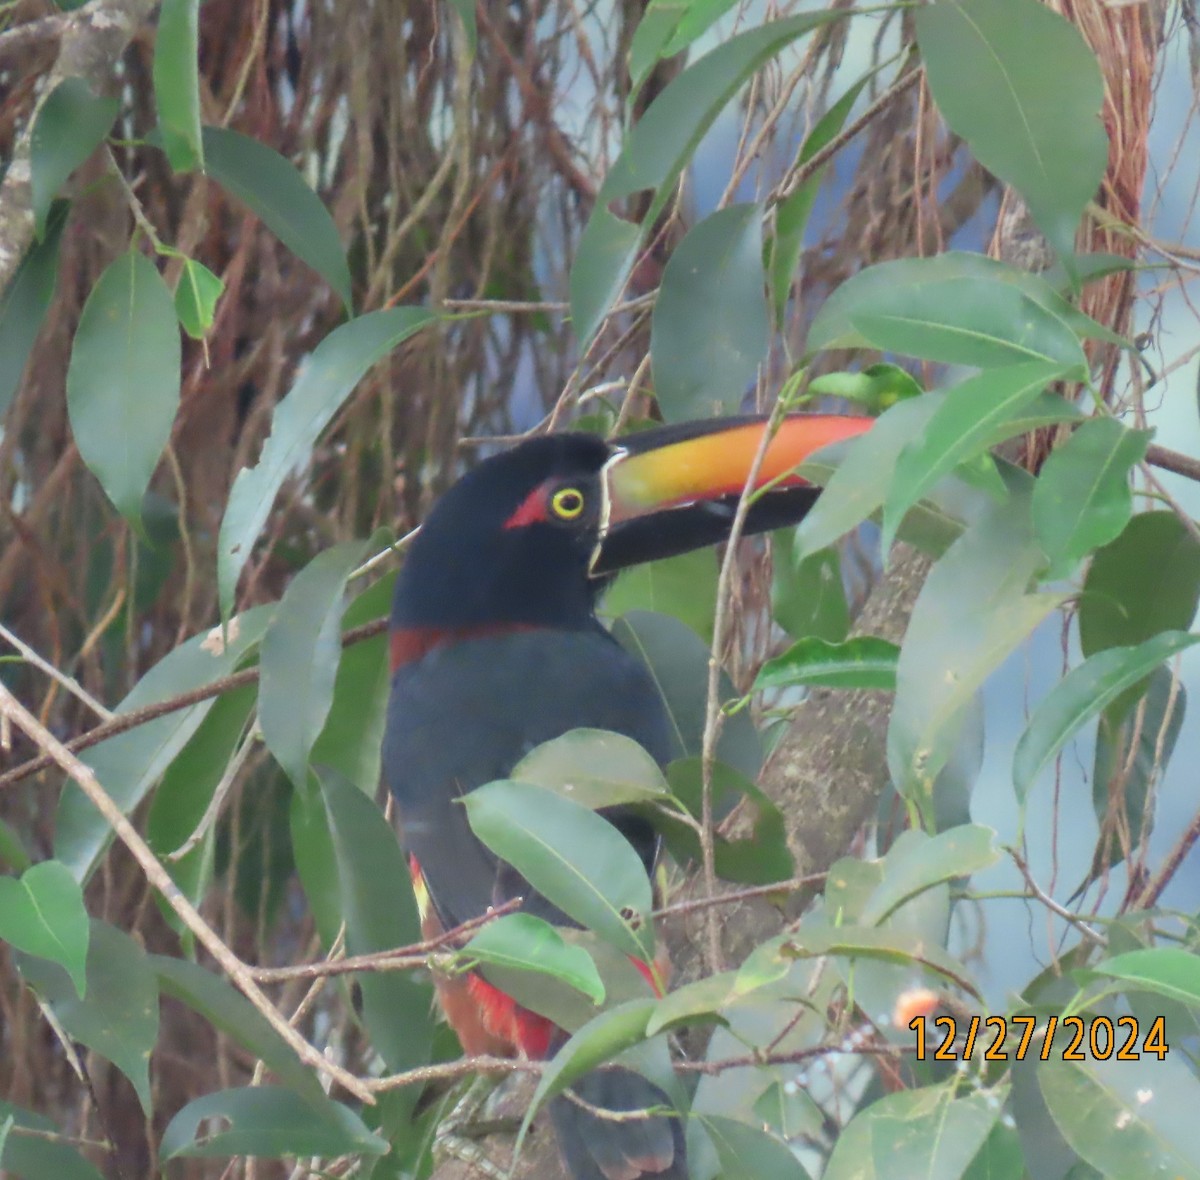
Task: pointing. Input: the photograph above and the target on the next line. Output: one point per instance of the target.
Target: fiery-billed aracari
(496, 648)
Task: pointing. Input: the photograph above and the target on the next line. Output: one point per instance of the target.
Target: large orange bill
(676, 488)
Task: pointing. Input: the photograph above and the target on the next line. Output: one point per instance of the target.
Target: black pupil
(569, 501)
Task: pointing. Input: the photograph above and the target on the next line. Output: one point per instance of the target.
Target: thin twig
(43, 665)
(161, 880)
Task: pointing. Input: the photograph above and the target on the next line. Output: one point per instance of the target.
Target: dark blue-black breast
(467, 712)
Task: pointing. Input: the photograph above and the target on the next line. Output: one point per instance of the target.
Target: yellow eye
(567, 503)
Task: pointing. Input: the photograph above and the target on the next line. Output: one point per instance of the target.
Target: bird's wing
(467, 712)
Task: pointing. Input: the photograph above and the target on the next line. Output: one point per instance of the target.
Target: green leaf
(861, 481)
(12, 849)
(42, 914)
(130, 763)
(752, 1152)
(861, 662)
(971, 614)
(380, 913)
(1082, 498)
(601, 1039)
(119, 1018)
(684, 586)
(177, 83)
(1170, 971)
(528, 943)
(595, 768)
(196, 296)
(1146, 581)
(334, 369)
(999, 1158)
(1083, 693)
(973, 416)
(936, 279)
(299, 658)
(1127, 1118)
(270, 185)
(572, 856)
(758, 854)
(708, 331)
(25, 301)
(926, 1133)
(232, 1014)
(185, 793)
(808, 597)
(791, 216)
(916, 862)
(654, 153)
(33, 1150)
(678, 661)
(352, 738)
(70, 125)
(465, 10)
(1040, 129)
(878, 387)
(123, 379)
(267, 1121)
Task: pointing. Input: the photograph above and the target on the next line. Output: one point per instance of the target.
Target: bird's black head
(511, 541)
(529, 536)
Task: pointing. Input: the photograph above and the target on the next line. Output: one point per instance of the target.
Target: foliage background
(459, 172)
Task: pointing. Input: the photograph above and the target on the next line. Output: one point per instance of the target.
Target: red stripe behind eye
(532, 509)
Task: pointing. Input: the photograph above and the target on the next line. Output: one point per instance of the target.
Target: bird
(495, 648)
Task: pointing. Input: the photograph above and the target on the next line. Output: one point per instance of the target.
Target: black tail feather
(597, 1148)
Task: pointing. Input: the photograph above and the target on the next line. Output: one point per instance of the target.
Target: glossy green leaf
(758, 854)
(595, 768)
(184, 795)
(336, 366)
(1082, 694)
(678, 661)
(808, 596)
(299, 658)
(196, 298)
(878, 387)
(1082, 498)
(971, 614)
(1040, 129)
(860, 662)
(916, 862)
(859, 484)
(177, 83)
(926, 1133)
(13, 855)
(119, 1017)
(1144, 582)
(791, 215)
(601, 1039)
(708, 331)
(123, 379)
(70, 125)
(668, 27)
(1127, 1118)
(1170, 971)
(276, 192)
(129, 764)
(654, 153)
(684, 586)
(316, 863)
(380, 913)
(33, 1149)
(752, 1152)
(25, 301)
(569, 854)
(971, 417)
(229, 1011)
(934, 277)
(528, 943)
(352, 738)
(266, 1121)
(999, 1158)
(42, 914)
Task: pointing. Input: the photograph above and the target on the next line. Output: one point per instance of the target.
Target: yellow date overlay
(1017, 1038)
